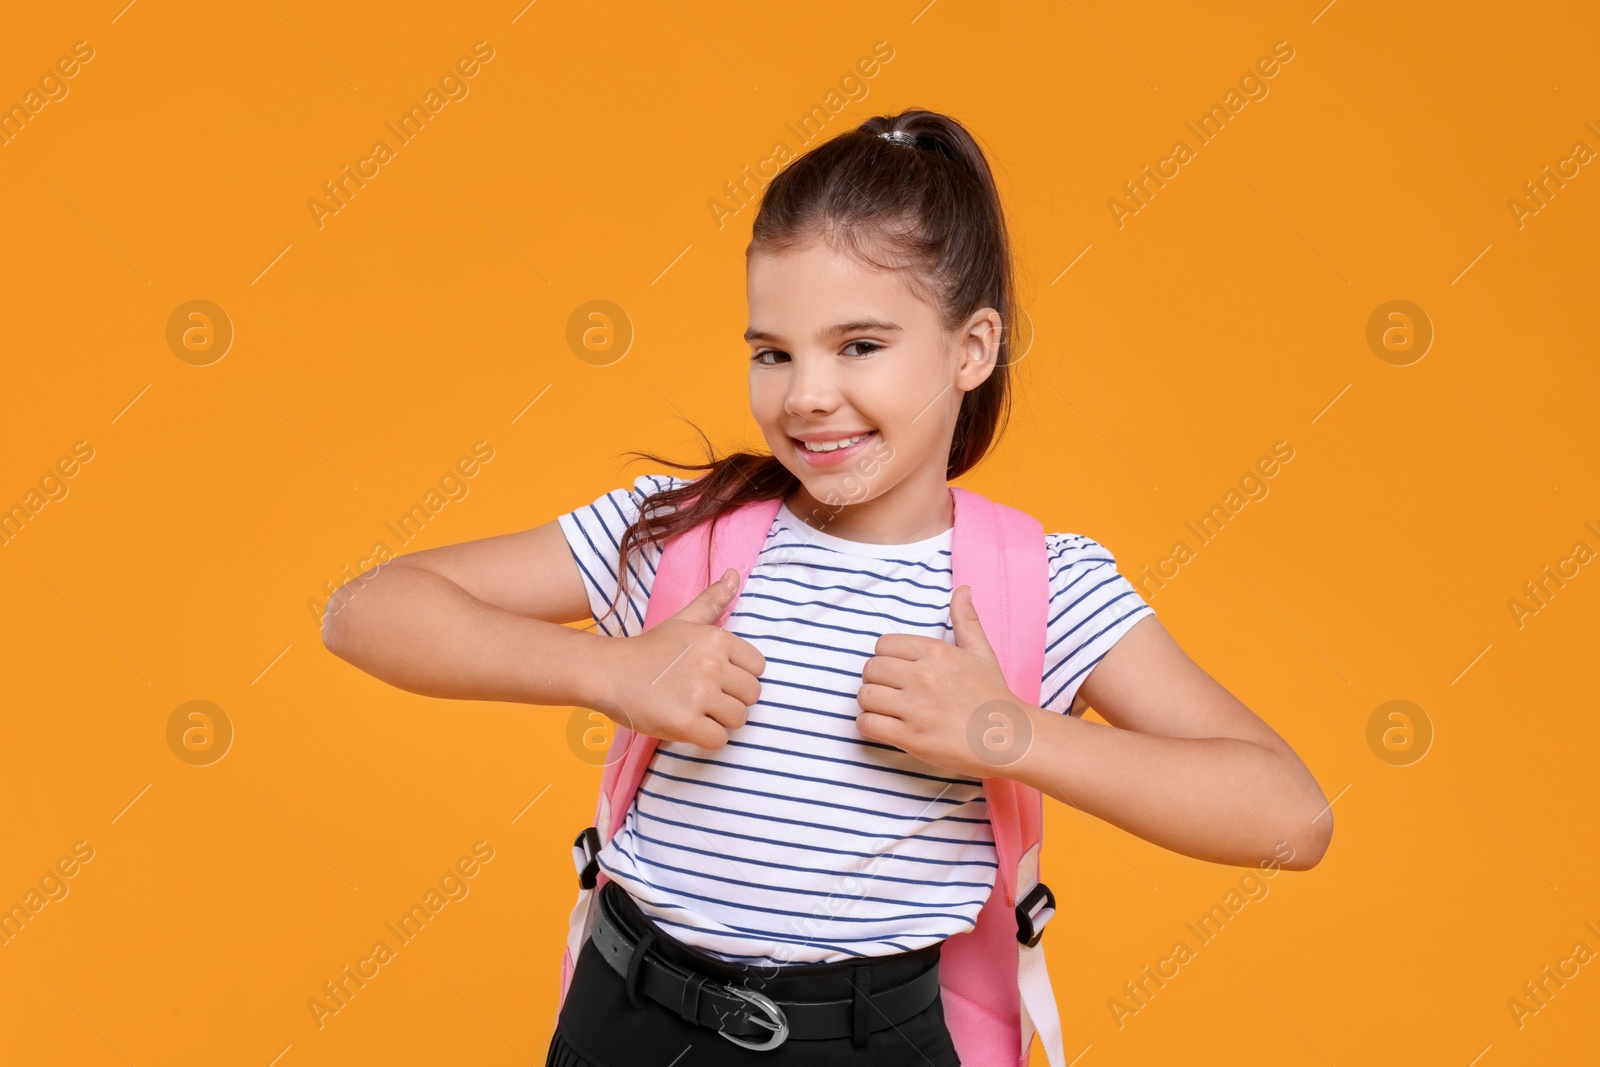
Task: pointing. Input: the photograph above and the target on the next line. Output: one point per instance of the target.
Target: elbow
(1305, 822)
(339, 618)
(343, 627)
(334, 635)
(1307, 842)
(341, 624)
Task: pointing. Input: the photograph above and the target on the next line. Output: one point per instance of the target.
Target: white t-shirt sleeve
(594, 534)
(1091, 606)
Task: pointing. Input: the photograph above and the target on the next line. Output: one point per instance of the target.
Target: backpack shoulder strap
(680, 576)
(734, 540)
(996, 988)
(1000, 552)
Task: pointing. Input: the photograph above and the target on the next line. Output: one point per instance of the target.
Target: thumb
(968, 630)
(712, 601)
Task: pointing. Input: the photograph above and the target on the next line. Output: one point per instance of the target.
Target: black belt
(742, 1015)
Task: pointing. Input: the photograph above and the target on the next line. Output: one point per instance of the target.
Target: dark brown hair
(931, 208)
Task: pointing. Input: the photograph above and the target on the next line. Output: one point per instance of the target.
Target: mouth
(834, 452)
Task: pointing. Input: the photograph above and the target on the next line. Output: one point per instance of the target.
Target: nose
(812, 390)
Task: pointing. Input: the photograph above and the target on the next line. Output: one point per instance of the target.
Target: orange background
(431, 311)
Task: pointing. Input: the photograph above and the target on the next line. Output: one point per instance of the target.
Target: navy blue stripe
(764, 887)
(1111, 575)
(821, 848)
(764, 702)
(801, 754)
(840, 608)
(769, 817)
(1079, 560)
(1114, 580)
(613, 532)
(746, 905)
(597, 592)
(806, 624)
(625, 520)
(599, 555)
(834, 759)
(810, 800)
(810, 666)
(795, 542)
(1084, 622)
(1141, 610)
(634, 831)
(849, 589)
(848, 697)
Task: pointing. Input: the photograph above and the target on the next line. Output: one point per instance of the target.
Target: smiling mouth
(822, 448)
(833, 454)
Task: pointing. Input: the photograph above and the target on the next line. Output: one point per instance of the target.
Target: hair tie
(899, 137)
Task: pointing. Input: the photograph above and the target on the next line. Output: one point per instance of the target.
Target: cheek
(901, 399)
(766, 399)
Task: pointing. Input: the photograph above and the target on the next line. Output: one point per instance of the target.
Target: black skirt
(600, 1027)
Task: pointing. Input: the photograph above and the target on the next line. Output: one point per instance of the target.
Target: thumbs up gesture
(686, 678)
(943, 703)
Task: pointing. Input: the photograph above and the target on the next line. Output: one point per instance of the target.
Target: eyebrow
(854, 326)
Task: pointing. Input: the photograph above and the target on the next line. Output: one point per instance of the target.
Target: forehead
(797, 290)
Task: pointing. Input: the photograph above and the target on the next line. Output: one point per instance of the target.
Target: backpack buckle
(585, 857)
(1034, 911)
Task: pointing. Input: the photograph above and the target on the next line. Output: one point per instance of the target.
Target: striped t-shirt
(800, 840)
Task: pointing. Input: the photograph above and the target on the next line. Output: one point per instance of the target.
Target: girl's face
(841, 350)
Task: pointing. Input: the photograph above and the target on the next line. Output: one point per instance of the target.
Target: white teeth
(830, 446)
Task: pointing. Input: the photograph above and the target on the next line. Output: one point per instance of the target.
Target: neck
(903, 513)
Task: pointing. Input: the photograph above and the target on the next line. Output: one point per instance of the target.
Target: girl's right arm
(481, 620)
(485, 620)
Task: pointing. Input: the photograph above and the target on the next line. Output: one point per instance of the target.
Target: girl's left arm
(1183, 764)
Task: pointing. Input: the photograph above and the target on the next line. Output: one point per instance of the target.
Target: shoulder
(1092, 604)
(595, 531)
(1075, 550)
(625, 502)
(1084, 572)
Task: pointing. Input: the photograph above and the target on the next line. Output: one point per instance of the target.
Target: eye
(761, 361)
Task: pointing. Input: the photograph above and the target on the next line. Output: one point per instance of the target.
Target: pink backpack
(993, 981)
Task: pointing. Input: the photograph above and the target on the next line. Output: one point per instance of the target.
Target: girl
(818, 739)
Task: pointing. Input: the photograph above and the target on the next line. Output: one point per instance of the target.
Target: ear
(979, 342)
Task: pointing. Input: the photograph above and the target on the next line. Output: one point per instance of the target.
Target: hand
(947, 704)
(686, 678)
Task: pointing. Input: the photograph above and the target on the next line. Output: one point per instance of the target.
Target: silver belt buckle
(778, 1024)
